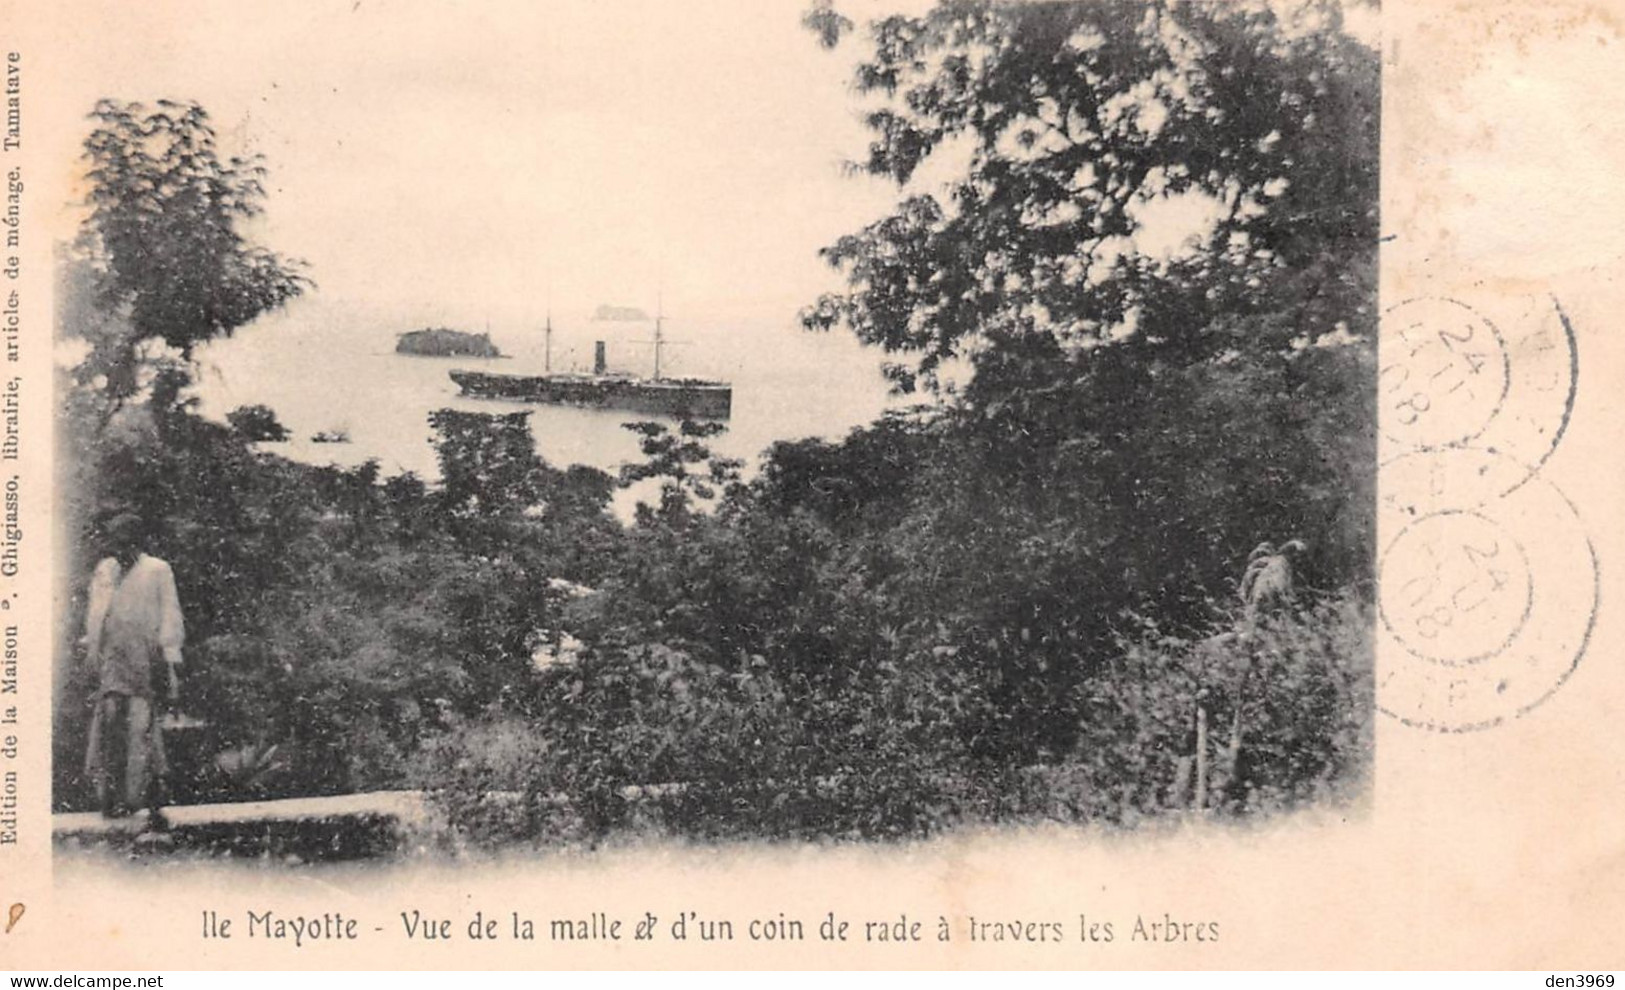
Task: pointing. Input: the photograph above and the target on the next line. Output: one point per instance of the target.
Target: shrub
(257, 424)
(489, 778)
(1288, 705)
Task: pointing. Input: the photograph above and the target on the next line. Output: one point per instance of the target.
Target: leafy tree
(1107, 375)
(683, 462)
(163, 242)
(161, 264)
(1074, 120)
(257, 423)
(1135, 419)
(488, 463)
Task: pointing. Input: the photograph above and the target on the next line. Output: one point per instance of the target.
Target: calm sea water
(326, 368)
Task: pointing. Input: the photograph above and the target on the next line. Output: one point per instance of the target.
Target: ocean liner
(688, 398)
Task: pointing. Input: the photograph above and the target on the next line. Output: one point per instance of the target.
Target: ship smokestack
(598, 363)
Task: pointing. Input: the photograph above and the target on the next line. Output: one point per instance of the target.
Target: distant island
(620, 314)
(443, 342)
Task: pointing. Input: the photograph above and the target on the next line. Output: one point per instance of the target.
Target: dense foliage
(163, 245)
(1075, 120)
(1017, 601)
(257, 424)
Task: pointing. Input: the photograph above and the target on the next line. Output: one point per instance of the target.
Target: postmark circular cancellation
(1487, 580)
(1452, 379)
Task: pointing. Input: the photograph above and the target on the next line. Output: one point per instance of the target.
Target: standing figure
(132, 622)
(1268, 585)
(1268, 582)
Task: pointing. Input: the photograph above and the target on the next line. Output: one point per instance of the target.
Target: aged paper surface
(1491, 837)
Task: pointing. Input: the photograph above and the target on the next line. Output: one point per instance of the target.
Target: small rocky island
(444, 342)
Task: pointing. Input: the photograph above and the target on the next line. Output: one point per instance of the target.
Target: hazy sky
(464, 162)
(469, 161)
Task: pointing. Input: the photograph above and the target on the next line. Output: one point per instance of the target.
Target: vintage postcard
(1108, 484)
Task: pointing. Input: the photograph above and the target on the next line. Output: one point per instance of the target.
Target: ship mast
(548, 354)
(660, 315)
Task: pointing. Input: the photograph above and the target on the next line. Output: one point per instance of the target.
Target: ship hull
(682, 398)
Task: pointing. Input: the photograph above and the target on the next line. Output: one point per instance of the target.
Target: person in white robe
(133, 622)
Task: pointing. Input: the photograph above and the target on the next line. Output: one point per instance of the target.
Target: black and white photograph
(492, 438)
(555, 519)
